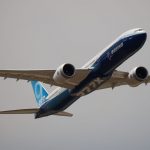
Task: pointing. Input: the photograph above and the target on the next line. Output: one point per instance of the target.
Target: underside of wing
(120, 78)
(148, 80)
(45, 76)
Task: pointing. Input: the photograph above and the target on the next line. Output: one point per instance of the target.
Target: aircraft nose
(144, 36)
(141, 38)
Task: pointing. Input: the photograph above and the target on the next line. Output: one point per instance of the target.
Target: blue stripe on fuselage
(109, 61)
(56, 104)
(103, 67)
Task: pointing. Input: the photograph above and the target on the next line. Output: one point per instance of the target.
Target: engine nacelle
(63, 73)
(139, 73)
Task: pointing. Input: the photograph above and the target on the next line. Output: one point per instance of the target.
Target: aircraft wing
(120, 78)
(33, 111)
(45, 76)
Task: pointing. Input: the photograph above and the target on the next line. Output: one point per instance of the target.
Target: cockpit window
(131, 32)
(138, 30)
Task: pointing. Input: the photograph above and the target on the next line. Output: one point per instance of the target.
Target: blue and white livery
(39, 92)
(99, 73)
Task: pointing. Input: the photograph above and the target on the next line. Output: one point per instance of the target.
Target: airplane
(99, 73)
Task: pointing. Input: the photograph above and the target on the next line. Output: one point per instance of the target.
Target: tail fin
(39, 92)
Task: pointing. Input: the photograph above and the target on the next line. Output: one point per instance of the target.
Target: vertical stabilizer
(39, 92)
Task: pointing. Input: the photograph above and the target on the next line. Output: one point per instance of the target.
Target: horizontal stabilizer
(63, 113)
(21, 111)
(33, 111)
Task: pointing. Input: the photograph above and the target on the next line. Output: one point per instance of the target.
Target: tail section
(39, 92)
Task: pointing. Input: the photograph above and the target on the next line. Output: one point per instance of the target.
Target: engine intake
(139, 73)
(68, 70)
(63, 73)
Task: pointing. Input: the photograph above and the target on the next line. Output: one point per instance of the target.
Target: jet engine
(139, 74)
(63, 73)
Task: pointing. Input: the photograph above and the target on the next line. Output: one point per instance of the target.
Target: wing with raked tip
(45, 76)
(33, 111)
(120, 78)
